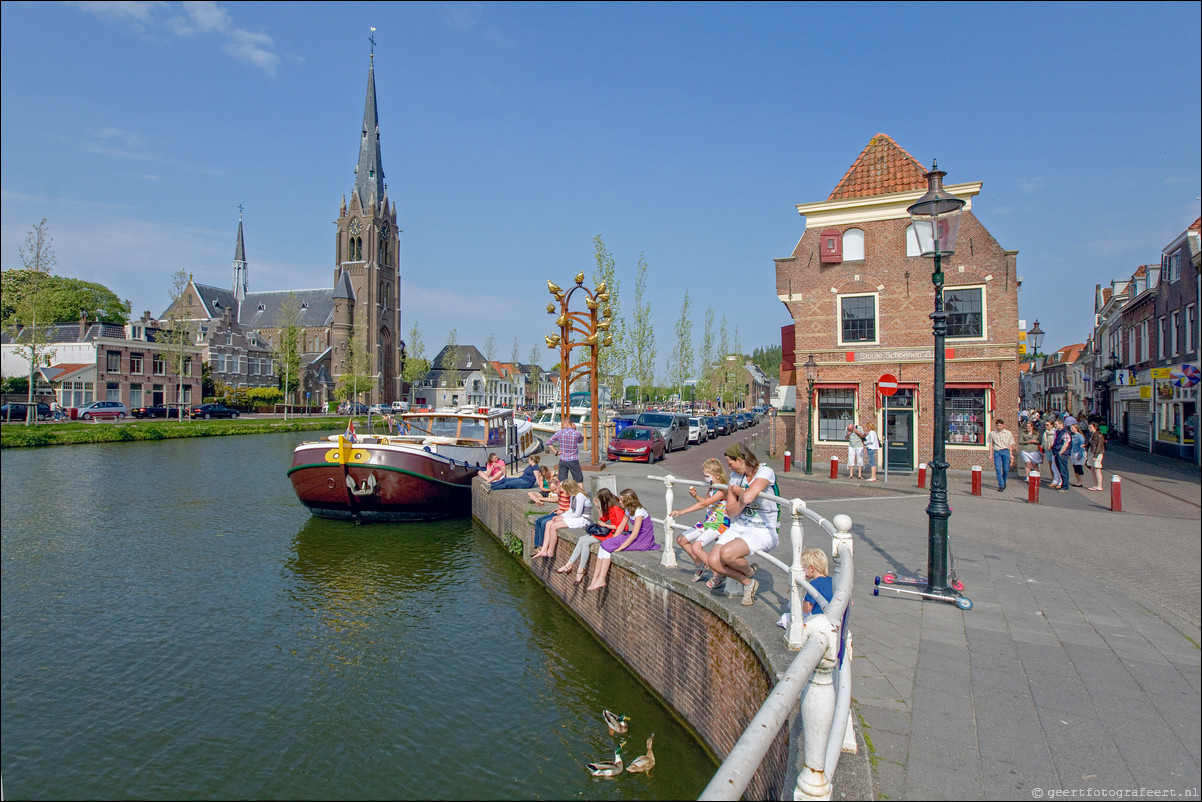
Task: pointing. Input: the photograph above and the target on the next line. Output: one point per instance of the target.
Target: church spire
(240, 271)
(369, 174)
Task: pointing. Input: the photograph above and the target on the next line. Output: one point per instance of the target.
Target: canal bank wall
(714, 665)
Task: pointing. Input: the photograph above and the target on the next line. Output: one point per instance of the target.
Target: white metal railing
(820, 675)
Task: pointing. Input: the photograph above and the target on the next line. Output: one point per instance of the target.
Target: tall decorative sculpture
(581, 328)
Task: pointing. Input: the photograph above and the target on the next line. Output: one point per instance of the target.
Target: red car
(637, 444)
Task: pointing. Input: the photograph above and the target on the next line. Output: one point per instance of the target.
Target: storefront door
(900, 445)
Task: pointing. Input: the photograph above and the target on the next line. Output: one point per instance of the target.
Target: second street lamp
(936, 218)
(811, 376)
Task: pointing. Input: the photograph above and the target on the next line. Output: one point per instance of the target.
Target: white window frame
(1174, 327)
(1131, 360)
(876, 319)
(818, 391)
(1162, 325)
(984, 312)
(913, 248)
(1143, 340)
(1190, 317)
(853, 236)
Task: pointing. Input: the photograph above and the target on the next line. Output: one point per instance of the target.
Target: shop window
(965, 308)
(965, 409)
(135, 396)
(112, 391)
(836, 409)
(857, 319)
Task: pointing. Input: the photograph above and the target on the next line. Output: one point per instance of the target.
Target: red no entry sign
(887, 384)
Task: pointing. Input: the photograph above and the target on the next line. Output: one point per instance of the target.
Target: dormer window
(262, 306)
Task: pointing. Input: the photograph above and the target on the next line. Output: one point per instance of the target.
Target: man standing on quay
(565, 444)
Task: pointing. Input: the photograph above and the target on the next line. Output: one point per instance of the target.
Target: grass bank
(79, 432)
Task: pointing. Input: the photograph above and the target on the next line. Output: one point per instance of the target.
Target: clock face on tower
(355, 227)
(385, 230)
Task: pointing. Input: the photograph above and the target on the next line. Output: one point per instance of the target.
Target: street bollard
(922, 476)
(1116, 494)
(835, 467)
(1033, 488)
(788, 462)
(976, 480)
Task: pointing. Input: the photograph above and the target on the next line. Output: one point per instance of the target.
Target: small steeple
(369, 174)
(240, 272)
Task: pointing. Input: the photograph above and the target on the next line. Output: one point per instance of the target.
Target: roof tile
(882, 168)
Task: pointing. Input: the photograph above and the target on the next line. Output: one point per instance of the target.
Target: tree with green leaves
(768, 359)
(612, 359)
(61, 298)
(452, 355)
(705, 358)
(288, 352)
(536, 375)
(641, 365)
(416, 364)
(178, 333)
(356, 376)
(680, 369)
(32, 337)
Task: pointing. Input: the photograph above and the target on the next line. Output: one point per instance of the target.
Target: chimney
(83, 325)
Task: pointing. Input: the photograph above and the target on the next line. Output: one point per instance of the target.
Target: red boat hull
(386, 483)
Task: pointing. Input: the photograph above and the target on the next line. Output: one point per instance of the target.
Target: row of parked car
(115, 410)
(650, 436)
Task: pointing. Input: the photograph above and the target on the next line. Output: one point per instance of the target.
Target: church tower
(367, 275)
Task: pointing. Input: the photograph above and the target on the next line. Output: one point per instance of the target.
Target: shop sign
(1161, 373)
(1145, 392)
(904, 355)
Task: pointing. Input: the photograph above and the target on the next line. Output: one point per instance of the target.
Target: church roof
(261, 310)
(240, 248)
(882, 168)
(215, 300)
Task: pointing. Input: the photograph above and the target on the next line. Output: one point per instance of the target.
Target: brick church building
(240, 329)
(860, 296)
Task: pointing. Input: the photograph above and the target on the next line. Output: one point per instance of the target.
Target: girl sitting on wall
(695, 541)
(641, 537)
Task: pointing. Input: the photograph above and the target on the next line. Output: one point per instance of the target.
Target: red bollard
(834, 467)
(1033, 488)
(1116, 494)
(976, 480)
(788, 462)
(922, 476)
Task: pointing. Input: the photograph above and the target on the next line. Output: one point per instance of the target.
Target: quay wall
(707, 664)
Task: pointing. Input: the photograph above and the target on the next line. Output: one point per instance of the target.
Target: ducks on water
(618, 725)
(645, 762)
(608, 768)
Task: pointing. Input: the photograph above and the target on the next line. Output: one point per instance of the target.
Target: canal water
(177, 626)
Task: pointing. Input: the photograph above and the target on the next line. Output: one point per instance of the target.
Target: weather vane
(372, 39)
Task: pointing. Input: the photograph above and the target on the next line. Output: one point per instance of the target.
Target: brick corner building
(860, 297)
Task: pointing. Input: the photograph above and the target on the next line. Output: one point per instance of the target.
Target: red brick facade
(868, 315)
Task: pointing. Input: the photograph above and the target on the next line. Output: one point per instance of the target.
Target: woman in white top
(574, 517)
(872, 445)
(753, 522)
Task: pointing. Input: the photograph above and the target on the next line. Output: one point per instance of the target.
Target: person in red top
(610, 521)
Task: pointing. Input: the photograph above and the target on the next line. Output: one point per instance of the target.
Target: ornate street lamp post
(1036, 335)
(936, 218)
(590, 333)
(811, 376)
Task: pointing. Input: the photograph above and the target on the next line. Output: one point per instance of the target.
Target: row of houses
(1139, 367)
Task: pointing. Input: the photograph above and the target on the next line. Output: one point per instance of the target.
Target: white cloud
(201, 17)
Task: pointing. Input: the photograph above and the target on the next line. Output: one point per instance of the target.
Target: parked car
(674, 428)
(722, 424)
(637, 444)
(380, 409)
(207, 411)
(103, 409)
(352, 408)
(400, 406)
(18, 411)
(154, 411)
(699, 430)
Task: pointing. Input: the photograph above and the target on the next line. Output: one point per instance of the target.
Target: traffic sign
(887, 384)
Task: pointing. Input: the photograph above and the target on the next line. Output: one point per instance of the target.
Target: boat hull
(386, 483)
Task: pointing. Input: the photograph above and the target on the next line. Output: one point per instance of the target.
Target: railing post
(796, 636)
(668, 560)
(817, 714)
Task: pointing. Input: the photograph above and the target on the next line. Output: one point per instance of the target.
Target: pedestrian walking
(1076, 453)
(1001, 446)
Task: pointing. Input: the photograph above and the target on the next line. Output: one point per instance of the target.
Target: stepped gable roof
(882, 168)
(261, 310)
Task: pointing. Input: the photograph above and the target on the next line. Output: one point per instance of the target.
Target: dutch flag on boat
(350, 430)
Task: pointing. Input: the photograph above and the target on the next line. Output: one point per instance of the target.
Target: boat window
(418, 425)
(496, 433)
(472, 429)
(444, 427)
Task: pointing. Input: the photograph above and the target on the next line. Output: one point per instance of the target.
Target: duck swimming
(618, 725)
(645, 762)
(608, 768)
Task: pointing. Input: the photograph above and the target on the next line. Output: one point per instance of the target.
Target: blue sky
(513, 133)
